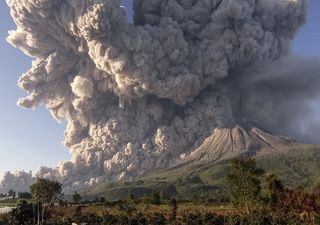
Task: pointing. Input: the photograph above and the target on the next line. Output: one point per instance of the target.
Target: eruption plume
(141, 96)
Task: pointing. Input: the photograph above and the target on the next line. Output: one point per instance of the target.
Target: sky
(31, 138)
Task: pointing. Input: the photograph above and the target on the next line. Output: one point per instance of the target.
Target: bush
(193, 219)
(234, 220)
(127, 208)
(141, 220)
(23, 214)
(108, 219)
(152, 199)
(158, 219)
(123, 220)
(213, 219)
(24, 195)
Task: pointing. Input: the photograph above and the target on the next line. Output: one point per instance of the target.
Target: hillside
(202, 172)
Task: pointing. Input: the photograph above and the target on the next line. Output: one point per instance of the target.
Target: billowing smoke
(141, 96)
(17, 181)
(279, 95)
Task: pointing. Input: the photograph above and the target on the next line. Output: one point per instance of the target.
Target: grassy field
(187, 213)
(9, 202)
(184, 208)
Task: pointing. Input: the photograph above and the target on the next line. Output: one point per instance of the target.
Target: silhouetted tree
(12, 193)
(24, 195)
(156, 199)
(173, 207)
(76, 197)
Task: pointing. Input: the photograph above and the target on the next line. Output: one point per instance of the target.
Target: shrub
(158, 219)
(23, 214)
(213, 219)
(152, 199)
(193, 219)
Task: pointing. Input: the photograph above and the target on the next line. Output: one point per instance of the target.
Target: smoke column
(141, 96)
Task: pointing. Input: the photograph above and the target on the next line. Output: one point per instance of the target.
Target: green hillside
(301, 167)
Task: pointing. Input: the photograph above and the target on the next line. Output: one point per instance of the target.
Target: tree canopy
(45, 190)
(243, 183)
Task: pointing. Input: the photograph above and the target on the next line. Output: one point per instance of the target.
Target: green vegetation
(12, 193)
(76, 197)
(9, 202)
(23, 214)
(257, 198)
(244, 191)
(198, 181)
(244, 185)
(44, 192)
(24, 195)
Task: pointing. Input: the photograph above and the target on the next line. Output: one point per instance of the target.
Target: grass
(9, 202)
(184, 208)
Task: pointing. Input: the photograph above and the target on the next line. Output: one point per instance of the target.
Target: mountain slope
(236, 139)
(203, 171)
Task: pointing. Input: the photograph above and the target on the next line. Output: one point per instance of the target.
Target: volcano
(242, 138)
(203, 170)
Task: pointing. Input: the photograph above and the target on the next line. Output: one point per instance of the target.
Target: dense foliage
(244, 185)
(23, 214)
(44, 190)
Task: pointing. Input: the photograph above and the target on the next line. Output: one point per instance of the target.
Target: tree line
(256, 196)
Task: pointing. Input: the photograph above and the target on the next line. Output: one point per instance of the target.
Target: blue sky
(31, 138)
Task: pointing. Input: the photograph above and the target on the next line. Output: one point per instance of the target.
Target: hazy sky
(30, 138)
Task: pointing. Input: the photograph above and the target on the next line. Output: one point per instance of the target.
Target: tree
(156, 199)
(102, 199)
(76, 197)
(24, 195)
(12, 193)
(152, 199)
(22, 214)
(131, 199)
(243, 183)
(173, 207)
(275, 187)
(43, 192)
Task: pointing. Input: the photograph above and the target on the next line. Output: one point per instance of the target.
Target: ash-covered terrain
(145, 95)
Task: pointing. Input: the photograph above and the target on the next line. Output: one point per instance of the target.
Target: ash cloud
(18, 181)
(141, 96)
(278, 96)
